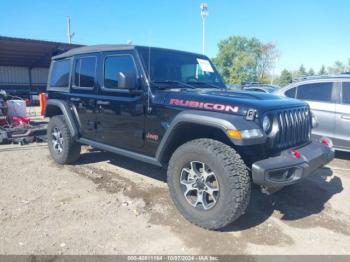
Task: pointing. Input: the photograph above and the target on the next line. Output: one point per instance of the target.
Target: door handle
(346, 117)
(75, 99)
(100, 102)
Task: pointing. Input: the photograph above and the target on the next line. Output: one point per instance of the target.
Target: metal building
(24, 64)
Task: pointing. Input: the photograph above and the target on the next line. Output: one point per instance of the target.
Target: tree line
(246, 60)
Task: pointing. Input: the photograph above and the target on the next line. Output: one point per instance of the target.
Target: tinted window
(346, 93)
(60, 73)
(163, 65)
(114, 65)
(85, 70)
(291, 92)
(316, 92)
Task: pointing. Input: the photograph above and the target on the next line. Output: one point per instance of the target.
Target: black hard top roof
(111, 47)
(93, 49)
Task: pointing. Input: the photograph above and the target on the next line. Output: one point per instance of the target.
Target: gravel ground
(107, 204)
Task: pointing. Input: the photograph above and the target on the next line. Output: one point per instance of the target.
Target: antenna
(69, 34)
(149, 93)
(149, 63)
(149, 56)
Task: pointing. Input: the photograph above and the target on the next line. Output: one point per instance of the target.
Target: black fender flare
(67, 112)
(218, 120)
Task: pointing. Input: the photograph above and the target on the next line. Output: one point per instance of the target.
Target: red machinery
(15, 126)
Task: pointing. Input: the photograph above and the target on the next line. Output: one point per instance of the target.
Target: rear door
(321, 97)
(84, 91)
(120, 113)
(342, 128)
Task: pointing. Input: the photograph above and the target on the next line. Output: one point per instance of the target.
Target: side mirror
(126, 80)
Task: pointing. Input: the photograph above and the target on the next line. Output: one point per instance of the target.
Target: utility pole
(204, 14)
(69, 34)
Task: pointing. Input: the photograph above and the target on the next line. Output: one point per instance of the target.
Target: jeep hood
(228, 101)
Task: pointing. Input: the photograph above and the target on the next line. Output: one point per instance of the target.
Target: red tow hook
(326, 141)
(296, 154)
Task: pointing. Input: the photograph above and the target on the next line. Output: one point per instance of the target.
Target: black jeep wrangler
(171, 108)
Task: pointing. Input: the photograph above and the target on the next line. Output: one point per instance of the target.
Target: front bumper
(286, 169)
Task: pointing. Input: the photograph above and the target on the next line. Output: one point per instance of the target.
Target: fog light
(282, 175)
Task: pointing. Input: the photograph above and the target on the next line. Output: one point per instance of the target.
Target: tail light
(43, 101)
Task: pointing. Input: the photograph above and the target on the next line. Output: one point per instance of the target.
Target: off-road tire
(233, 179)
(70, 148)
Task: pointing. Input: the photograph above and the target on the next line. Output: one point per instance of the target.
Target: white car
(329, 100)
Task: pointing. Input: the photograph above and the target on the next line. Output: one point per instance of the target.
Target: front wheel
(209, 183)
(63, 148)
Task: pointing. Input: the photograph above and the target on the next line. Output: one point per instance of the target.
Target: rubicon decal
(204, 105)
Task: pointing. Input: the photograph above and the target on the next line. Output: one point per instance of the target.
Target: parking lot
(106, 204)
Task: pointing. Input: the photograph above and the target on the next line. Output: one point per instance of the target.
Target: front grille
(294, 127)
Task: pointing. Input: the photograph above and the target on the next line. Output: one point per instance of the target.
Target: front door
(120, 113)
(342, 128)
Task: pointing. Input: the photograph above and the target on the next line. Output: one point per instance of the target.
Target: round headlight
(266, 124)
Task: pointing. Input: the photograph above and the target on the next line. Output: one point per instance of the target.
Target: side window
(114, 65)
(60, 73)
(291, 92)
(85, 72)
(316, 92)
(346, 93)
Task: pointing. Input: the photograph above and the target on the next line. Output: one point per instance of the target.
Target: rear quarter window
(60, 73)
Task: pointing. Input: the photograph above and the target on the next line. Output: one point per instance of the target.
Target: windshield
(166, 66)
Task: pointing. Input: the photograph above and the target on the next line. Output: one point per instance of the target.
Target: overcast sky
(306, 32)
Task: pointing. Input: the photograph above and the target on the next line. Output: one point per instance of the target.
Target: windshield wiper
(204, 83)
(178, 83)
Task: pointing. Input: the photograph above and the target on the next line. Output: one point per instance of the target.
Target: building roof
(29, 52)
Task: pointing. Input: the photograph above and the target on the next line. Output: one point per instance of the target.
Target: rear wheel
(209, 183)
(63, 148)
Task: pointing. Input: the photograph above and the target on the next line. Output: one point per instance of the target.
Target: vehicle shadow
(96, 156)
(342, 155)
(294, 202)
